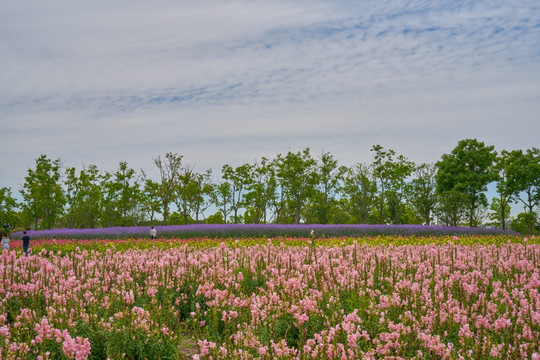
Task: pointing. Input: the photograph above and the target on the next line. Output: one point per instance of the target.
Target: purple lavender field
(261, 230)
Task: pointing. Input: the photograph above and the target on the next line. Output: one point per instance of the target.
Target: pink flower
(502, 323)
(495, 350)
(4, 331)
(262, 350)
(78, 349)
(301, 318)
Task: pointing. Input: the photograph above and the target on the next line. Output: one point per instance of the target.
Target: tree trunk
(165, 212)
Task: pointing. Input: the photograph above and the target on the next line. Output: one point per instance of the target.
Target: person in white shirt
(153, 233)
(5, 241)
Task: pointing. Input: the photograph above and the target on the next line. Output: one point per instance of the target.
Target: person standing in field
(5, 241)
(153, 233)
(26, 242)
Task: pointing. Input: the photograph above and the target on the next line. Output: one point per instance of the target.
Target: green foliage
(498, 214)
(289, 189)
(451, 207)
(286, 329)
(8, 209)
(237, 179)
(216, 218)
(122, 200)
(261, 192)
(467, 170)
(193, 193)
(359, 188)
(222, 197)
(524, 223)
(506, 193)
(351, 300)
(180, 219)
(251, 281)
(152, 200)
(169, 171)
(84, 197)
(411, 216)
(14, 305)
(328, 177)
(296, 174)
(523, 173)
(42, 192)
(421, 192)
(338, 213)
(391, 174)
(136, 345)
(97, 337)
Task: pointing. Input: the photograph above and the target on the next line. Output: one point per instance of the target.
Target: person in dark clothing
(26, 242)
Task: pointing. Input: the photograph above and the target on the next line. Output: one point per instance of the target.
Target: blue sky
(230, 81)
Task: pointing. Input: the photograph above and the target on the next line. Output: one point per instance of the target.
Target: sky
(230, 81)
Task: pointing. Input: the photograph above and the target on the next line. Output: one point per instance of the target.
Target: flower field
(224, 231)
(401, 297)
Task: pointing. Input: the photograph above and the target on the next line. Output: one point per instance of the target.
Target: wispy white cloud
(230, 81)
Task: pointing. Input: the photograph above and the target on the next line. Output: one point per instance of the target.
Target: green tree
(169, 172)
(297, 178)
(222, 198)
(238, 179)
(468, 169)
(391, 173)
(43, 196)
(203, 188)
(450, 209)
(216, 218)
(421, 192)
(498, 214)
(122, 202)
(328, 178)
(177, 218)
(84, 197)
(261, 190)
(523, 222)
(339, 213)
(8, 208)
(502, 204)
(151, 197)
(184, 192)
(523, 174)
(360, 189)
(193, 194)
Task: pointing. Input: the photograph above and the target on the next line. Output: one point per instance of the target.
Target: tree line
(295, 187)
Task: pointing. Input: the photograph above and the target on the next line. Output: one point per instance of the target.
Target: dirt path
(188, 348)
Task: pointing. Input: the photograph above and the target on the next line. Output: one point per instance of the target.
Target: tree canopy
(295, 187)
